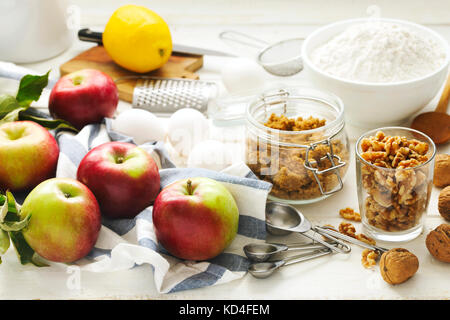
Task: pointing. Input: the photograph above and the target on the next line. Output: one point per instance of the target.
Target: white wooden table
(330, 277)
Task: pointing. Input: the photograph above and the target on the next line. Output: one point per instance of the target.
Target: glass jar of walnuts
(394, 168)
(295, 139)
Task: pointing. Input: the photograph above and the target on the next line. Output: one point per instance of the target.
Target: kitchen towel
(125, 243)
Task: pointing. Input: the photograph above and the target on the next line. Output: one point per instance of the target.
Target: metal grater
(164, 96)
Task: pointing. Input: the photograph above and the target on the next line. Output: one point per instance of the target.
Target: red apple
(28, 155)
(83, 97)
(123, 177)
(195, 219)
(65, 220)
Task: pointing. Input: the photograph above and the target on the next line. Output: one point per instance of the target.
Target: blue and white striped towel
(125, 243)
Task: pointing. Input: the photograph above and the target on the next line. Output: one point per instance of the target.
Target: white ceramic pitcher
(34, 30)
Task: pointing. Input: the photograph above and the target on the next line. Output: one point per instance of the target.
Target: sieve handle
(242, 38)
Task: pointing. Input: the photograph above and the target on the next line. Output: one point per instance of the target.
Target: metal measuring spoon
(285, 217)
(260, 252)
(263, 270)
(332, 232)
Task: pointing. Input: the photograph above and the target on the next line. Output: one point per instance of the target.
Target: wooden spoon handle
(443, 101)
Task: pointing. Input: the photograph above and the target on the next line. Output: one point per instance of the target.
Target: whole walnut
(441, 177)
(444, 203)
(438, 242)
(398, 265)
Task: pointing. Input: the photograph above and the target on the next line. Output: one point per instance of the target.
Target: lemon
(137, 39)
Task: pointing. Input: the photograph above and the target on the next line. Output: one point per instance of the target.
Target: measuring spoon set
(283, 219)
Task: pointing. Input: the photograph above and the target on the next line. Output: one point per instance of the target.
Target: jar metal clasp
(313, 165)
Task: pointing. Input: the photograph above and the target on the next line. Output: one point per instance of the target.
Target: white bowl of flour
(384, 70)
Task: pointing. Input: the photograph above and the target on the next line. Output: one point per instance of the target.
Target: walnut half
(398, 265)
(369, 258)
(350, 214)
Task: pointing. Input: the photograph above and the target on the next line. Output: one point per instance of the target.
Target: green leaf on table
(7, 104)
(12, 116)
(13, 222)
(13, 207)
(17, 108)
(10, 226)
(30, 88)
(4, 211)
(9, 220)
(25, 253)
(10, 214)
(4, 243)
(50, 124)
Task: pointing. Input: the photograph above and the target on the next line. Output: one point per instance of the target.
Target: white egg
(186, 128)
(143, 126)
(242, 74)
(175, 157)
(210, 154)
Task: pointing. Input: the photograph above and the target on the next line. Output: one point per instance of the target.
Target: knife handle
(90, 36)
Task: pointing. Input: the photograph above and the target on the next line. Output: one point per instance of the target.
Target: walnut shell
(444, 203)
(441, 177)
(438, 242)
(398, 265)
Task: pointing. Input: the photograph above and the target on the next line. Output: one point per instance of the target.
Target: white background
(198, 23)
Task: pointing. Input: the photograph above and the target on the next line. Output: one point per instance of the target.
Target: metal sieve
(282, 58)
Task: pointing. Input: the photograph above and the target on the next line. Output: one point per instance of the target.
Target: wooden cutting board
(178, 66)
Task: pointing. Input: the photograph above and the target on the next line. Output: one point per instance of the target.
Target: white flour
(379, 52)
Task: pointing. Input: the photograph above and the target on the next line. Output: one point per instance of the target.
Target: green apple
(28, 155)
(65, 220)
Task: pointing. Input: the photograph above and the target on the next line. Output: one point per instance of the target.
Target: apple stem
(119, 160)
(189, 187)
(77, 80)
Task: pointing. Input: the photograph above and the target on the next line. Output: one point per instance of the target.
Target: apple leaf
(12, 116)
(4, 211)
(51, 124)
(18, 108)
(13, 207)
(25, 253)
(7, 104)
(15, 225)
(12, 221)
(9, 215)
(30, 88)
(4, 243)
(4, 236)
